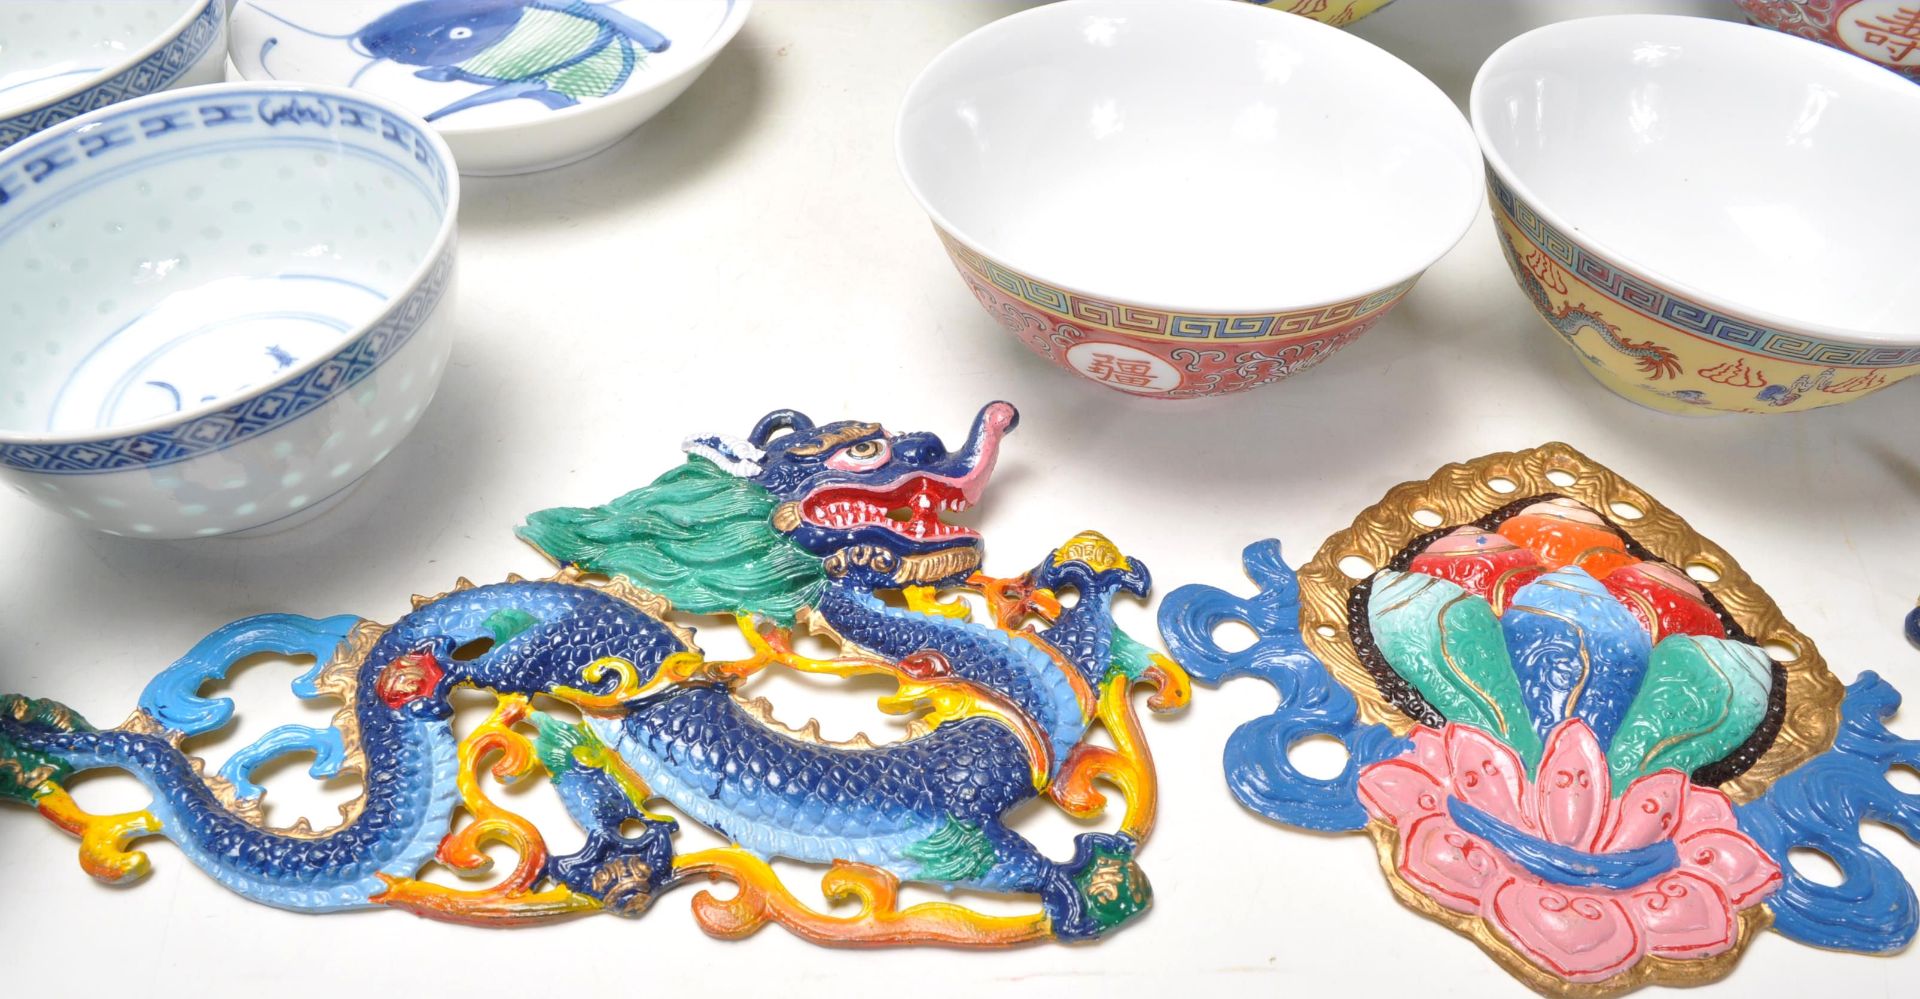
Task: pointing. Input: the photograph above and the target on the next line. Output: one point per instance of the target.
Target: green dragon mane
(698, 536)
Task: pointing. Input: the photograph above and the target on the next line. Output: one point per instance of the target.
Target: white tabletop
(753, 248)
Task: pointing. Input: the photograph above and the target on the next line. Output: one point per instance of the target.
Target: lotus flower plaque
(1578, 733)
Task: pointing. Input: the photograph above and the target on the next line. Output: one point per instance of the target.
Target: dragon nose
(1000, 416)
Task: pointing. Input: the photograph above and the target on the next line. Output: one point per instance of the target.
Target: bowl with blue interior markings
(219, 306)
(62, 58)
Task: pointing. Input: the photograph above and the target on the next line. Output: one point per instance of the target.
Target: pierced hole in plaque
(1816, 866)
(107, 792)
(1234, 636)
(1356, 567)
(260, 686)
(1325, 630)
(1067, 598)
(1052, 831)
(845, 708)
(1703, 572)
(1428, 518)
(1904, 778)
(1625, 510)
(1893, 843)
(1321, 757)
(1781, 650)
(473, 650)
(1561, 477)
(1502, 484)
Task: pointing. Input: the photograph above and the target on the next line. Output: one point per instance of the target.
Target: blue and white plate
(513, 85)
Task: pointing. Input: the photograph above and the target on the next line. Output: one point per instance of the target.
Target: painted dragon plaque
(837, 530)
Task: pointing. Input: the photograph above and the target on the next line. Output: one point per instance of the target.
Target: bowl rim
(1470, 196)
(134, 58)
(730, 25)
(442, 241)
(1871, 73)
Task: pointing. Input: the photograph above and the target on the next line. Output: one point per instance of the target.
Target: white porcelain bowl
(61, 58)
(1184, 199)
(1714, 216)
(219, 306)
(514, 85)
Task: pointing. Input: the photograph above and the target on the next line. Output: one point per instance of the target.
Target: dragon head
(869, 503)
(761, 523)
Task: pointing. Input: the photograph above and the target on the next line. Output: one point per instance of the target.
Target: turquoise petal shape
(1702, 698)
(1447, 643)
(1579, 653)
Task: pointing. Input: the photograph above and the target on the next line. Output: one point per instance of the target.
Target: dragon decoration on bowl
(1577, 732)
(834, 530)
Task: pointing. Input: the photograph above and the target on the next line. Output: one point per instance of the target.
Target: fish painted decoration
(1578, 733)
(556, 53)
(837, 531)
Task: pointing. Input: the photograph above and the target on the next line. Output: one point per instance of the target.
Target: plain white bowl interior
(1211, 156)
(1757, 172)
(49, 48)
(163, 282)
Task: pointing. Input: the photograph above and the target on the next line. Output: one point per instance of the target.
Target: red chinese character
(1898, 33)
(1108, 368)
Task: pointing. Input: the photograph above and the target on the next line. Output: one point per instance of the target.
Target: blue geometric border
(1143, 321)
(150, 75)
(1657, 304)
(250, 417)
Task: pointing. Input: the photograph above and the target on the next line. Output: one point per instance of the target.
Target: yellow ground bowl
(1668, 353)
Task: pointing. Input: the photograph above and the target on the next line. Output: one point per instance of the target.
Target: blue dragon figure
(833, 530)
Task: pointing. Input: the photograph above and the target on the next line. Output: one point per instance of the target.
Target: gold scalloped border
(1465, 492)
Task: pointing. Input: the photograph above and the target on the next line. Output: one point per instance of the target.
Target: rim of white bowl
(415, 277)
(735, 20)
(133, 59)
(1871, 73)
(1470, 196)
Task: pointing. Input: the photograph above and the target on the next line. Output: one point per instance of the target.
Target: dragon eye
(461, 33)
(861, 456)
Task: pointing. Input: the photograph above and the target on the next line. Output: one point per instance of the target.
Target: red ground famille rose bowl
(1882, 31)
(1148, 194)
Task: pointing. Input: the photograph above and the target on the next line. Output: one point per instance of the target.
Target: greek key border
(1659, 305)
(1146, 322)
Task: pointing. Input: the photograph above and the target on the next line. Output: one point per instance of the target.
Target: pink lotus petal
(1447, 865)
(1429, 751)
(1579, 934)
(1683, 915)
(1647, 812)
(1400, 790)
(1706, 808)
(1488, 776)
(1573, 787)
(1732, 861)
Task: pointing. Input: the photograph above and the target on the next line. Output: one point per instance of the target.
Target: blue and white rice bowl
(219, 306)
(63, 58)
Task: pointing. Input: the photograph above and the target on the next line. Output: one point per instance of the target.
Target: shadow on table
(678, 145)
